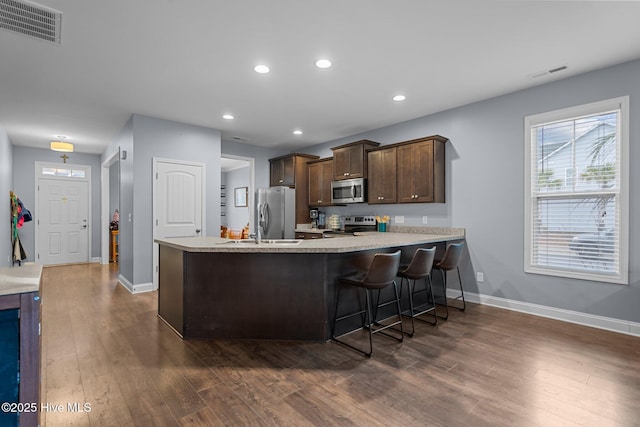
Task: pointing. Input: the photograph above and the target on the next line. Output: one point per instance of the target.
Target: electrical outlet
(425, 220)
(480, 277)
(399, 219)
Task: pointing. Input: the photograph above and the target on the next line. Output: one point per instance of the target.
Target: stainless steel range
(353, 224)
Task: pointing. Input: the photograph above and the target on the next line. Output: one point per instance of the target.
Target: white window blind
(576, 192)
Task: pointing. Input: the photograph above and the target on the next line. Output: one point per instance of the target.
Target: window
(576, 192)
(68, 173)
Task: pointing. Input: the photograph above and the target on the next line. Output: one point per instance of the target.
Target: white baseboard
(96, 259)
(135, 289)
(592, 320)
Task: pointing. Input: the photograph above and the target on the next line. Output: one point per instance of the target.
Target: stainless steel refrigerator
(276, 212)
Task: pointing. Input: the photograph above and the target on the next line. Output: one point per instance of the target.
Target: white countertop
(19, 280)
(359, 242)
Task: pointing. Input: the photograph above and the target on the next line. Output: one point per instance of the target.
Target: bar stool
(381, 274)
(450, 261)
(419, 268)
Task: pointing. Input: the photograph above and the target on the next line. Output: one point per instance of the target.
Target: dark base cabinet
(20, 358)
(10, 345)
(264, 296)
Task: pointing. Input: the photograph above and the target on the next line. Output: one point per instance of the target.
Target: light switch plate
(480, 277)
(399, 219)
(425, 220)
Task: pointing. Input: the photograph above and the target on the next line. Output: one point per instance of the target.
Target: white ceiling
(192, 61)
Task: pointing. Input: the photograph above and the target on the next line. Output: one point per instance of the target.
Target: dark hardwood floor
(484, 367)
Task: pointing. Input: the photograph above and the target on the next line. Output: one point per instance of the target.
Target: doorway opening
(110, 200)
(236, 196)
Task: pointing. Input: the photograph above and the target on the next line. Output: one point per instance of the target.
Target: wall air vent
(31, 20)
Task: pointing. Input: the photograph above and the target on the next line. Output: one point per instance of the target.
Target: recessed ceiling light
(228, 116)
(323, 63)
(262, 69)
(399, 98)
(297, 132)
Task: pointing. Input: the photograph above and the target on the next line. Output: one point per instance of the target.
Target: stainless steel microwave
(349, 191)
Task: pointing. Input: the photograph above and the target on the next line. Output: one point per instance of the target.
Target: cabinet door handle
(282, 180)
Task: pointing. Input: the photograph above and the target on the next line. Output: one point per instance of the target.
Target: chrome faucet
(256, 236)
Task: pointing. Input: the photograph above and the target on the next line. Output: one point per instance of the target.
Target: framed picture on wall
(240, 198)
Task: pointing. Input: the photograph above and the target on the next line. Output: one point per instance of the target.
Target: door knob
(197, 230)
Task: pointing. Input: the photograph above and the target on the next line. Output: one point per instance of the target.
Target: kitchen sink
(264, 242)
(281, 241)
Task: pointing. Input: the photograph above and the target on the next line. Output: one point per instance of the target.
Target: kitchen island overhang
(210, 288)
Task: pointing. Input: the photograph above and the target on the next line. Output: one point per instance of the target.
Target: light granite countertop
(19, 280)
(358, 242)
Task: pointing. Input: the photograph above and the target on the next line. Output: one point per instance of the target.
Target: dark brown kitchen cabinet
(320, 176)
(350, 160)
(291, 171)
(382, 171)
(282, 171)
(421, 170)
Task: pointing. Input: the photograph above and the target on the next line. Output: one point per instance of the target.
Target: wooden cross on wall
(64, 158)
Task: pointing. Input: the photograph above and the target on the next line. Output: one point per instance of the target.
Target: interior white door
(62, 221)
(179, 201)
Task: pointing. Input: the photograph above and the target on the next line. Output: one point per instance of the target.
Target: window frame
(622, 105)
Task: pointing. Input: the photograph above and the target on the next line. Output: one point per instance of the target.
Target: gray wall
(485, 189)
(24, 159)
(6, 185)
(144, 138)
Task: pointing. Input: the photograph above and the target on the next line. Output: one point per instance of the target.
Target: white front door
(179, 201)
(62, 215)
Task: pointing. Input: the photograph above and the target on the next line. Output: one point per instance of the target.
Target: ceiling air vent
(547, 72)
(31, 20)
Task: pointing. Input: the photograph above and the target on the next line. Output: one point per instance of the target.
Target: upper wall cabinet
(286, 170)
(382, 165)
(350, 160)
(421, 170)
(320, 177)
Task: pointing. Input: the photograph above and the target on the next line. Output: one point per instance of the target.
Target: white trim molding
(135, 289)
(607, 323)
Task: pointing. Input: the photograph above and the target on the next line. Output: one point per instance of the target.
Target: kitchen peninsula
(211, 287)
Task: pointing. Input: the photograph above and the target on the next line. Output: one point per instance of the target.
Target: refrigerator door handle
(266, 218)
